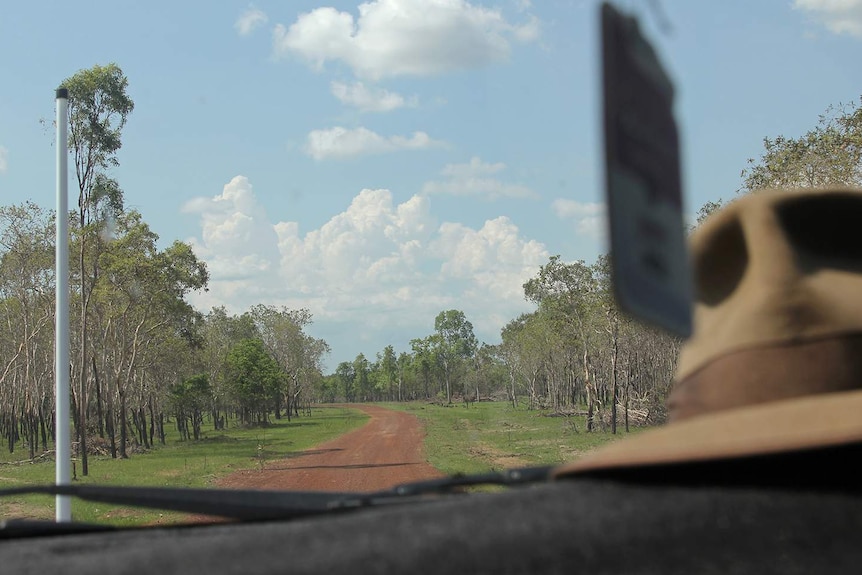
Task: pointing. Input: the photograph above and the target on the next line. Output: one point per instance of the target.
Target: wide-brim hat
(774, 364)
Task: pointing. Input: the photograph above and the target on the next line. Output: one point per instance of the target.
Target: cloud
(370, 244)
(4, 162)
(232, 240)
(370, 99)
(403, 37)
(590, 218)
(493, 258)
(839, 16)
(376, 269)
(341, 142)
(249, 21)
(530, 31)
(472, 179)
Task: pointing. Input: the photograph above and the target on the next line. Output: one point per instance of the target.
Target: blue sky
(379, 163)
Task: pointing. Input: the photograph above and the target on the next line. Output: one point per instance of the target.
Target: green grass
(178, 464)
(483, 437)
(493, 436)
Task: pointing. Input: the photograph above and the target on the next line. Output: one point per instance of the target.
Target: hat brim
(810, 422)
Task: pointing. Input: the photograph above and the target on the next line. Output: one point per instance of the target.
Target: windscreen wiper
(243, 505)
(454, 483)
(260, 505)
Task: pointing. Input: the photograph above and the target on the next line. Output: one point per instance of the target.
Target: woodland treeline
(141, 357)
(144, 361)
(149, 357)
(575, 353)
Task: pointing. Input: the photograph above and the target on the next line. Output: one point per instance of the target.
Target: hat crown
(775, 268)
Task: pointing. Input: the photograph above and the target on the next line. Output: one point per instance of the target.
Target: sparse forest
(142, 358)
(149, 359)
(576, 353)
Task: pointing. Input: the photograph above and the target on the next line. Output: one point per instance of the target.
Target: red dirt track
(384, 452)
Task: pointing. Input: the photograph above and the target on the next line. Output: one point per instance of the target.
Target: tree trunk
(512, 381)
(142, 417)
(152, 422)
(626, 392)
(161, 427)
(196, 424)
(614, 354)
(42, 429)
(82, 393)
(123, 422)
(30, 422)
(13, 430)
(588, 391)
(111, 431)
(98, 400)
(181, 426)
(448, 392)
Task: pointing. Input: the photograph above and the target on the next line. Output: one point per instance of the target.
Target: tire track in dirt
(384, 452)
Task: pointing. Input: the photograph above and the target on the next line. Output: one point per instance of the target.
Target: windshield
(342, 246)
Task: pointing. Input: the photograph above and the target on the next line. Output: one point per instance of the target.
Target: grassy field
(178, 464)
(485, 436)
(493, 435)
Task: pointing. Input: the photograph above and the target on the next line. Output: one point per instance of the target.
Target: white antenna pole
(63, 443)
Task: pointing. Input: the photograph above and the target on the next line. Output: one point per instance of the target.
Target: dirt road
(384, 452)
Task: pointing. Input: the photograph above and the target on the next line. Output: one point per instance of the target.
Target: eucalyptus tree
(489, 372)
(424, 360)
(190, 400)
(326, 389)
(26, 312)
(455, 343)
(707, 210)
(602, 272)
(568, 292)
(98, 108)
(255, 378)
(297, 353)
(388, 366)
(361, 378)
(403, 366)
(169, 360)
(139, 299)
(345, 377)
(527, 343)
(828, 154)
(220, 332)
(314, 350)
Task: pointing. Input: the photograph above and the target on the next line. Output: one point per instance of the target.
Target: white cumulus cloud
(589, 218)
(474, 179)
(374, 270)
(839, 16)
(370, 244)
(339, 142)
(370, 98)
(403, 37)
(495, 259)
(4, 162)
(232, 239)
(249, 21)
